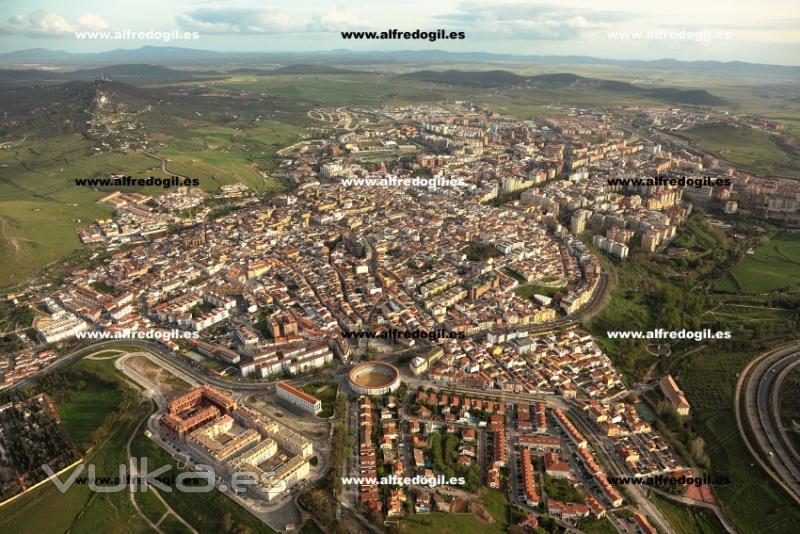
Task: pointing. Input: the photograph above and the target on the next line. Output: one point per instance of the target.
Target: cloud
(337, 19)
(526, 20)
(40, 23)
(266, 20)
(237, 20)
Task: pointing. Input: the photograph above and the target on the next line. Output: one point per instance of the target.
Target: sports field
(773, 266)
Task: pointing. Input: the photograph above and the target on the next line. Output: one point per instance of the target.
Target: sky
(766, 31)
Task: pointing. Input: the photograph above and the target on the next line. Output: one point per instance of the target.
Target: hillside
(138, 70)
(481, 78)
(172, 55)
(311, 69)
(502, 78)
(65, 108)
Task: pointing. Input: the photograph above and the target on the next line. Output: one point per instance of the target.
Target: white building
(298, 398)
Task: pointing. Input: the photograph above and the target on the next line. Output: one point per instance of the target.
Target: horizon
(764, 33)
(386, 52)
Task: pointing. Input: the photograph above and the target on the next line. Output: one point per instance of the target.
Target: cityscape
(464, 286)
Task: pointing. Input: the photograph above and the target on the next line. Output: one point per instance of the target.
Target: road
(171, 359)
(164, 165)
(700, 504)
(606, 452)
(760, 425)
(135, 473)
(265, 512)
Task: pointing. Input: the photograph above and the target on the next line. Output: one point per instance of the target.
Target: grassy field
(151, 506)
(597, 526)
(40, 205)
(686, 519)
(752, 150)
(773, 266)
(324, 392)
(365, 90)
(80, 510)
(627, 310)
(496, 504)
(530, 291)
(709, 381)
(207, 512)
(84, 413)
(220, 155)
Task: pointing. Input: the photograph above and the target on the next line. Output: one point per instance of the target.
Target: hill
(311, 69)
(171, 55)
(502, 78)
(64, 108)
(481, 78)
(128, 72)
(131, 70)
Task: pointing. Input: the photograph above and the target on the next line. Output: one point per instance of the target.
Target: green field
(773, 266)
(207, 512)
(80, 510)
(87, 409)
(530, 291)
(560, 490)
(151, 506)
(752, 150)
(40, 205)
(496, 503)
(219, 155)
(597, 526)
(324, 392)
(687, 519)
(709, 381)
(365, 90)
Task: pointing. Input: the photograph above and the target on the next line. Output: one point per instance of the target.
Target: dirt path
(134, 473)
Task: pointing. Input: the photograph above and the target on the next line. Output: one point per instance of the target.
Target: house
(440, 504)
(422, 503)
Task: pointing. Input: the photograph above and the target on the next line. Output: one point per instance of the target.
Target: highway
(170, 358)
(757, 393)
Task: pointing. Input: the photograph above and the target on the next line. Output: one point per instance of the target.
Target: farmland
(709, 381)
(751, 150)
(773, 266)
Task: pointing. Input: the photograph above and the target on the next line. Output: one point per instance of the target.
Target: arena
(374, 378)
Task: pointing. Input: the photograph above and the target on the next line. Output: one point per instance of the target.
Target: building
(374, 378)
(532, 498)
(643, 526)
(540, 443)
(59, 326)
(578, 221)
(418, 365)
(194, 409)
(298, 398)
(616, 249)
(674, 395)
